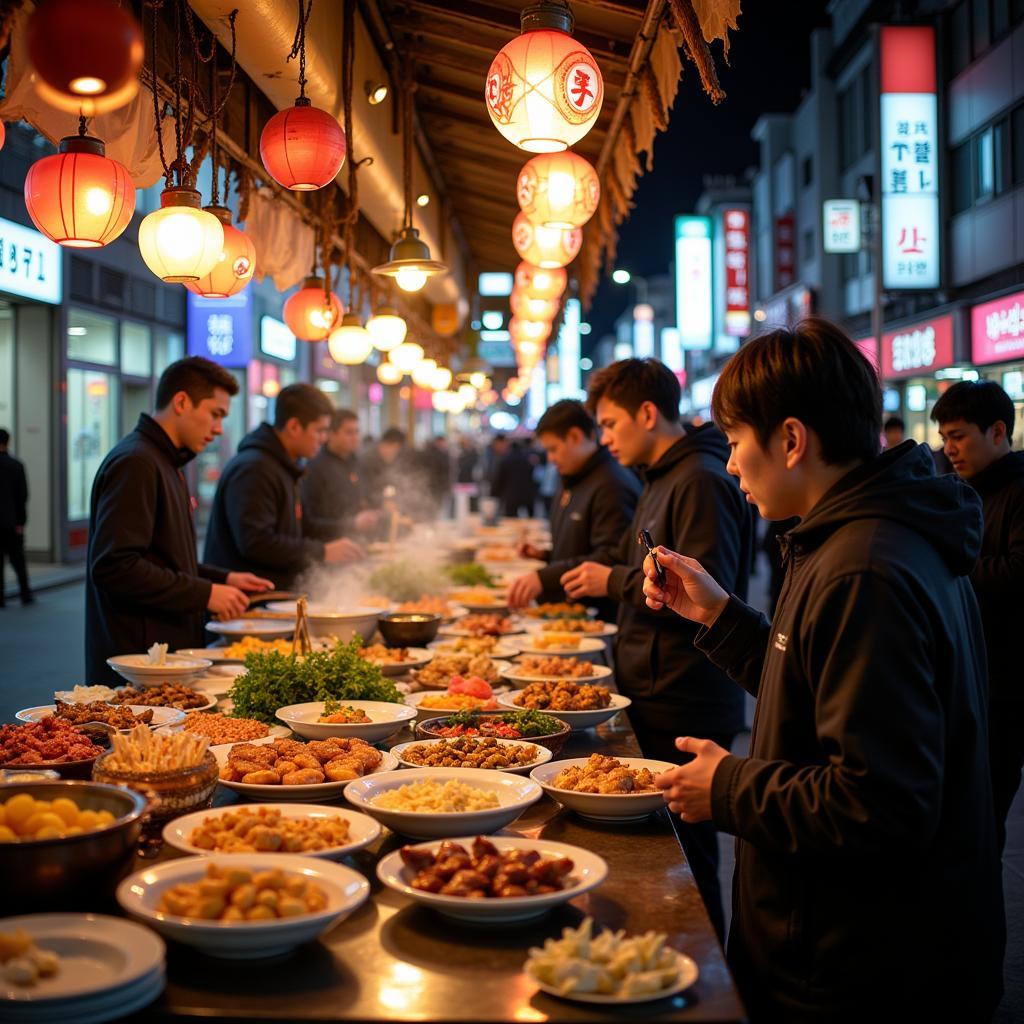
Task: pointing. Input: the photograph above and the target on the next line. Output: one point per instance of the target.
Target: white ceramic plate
(578, 720)
(541, 754)
(137, 670)
(418, 657)
(514, 795)
(386, 719)
(262, 629)
(218, 655)
(346, 890)
(276, 732)
(688, 974)
(589, 871)
(414, 700)
(484, 603)
(291, 794)
(503, 649)
(537, 626)
(604, 806)
(515, 626)
(161, 716)
(514, 674)
(329, 620)
(98, 953)
(108, 1006)
(588, 647)
(193, 685)
(513, 566)
(362, 829)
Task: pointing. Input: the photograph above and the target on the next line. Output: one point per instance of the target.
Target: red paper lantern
(303, 147)
(3, 134)
(529, 307)
(311, 314)
(558, 190)
(237, 263)
(545, 247)
(79, 197)
(541, 284)
(86, 54)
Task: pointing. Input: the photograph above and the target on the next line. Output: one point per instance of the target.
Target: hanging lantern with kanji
(558, 190)
(544, 90)
(540, 284)
(313, 311)
(545, 247)
(236, 265)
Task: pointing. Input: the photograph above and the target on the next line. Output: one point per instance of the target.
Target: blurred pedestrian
(13, 518)
(512, 481)
(894, 430)
(383, 466)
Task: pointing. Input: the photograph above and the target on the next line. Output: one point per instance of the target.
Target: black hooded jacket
(143, 582)
(867, 882)
(332, 495)
(998, 576)
(689, 503)
(256, 522)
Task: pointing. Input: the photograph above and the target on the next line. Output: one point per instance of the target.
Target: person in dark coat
(333, 499)
(975, 419)
(13, 517)
(868, 883)
(512, 480)
(592, 507)
(256, 521)
(435, 464)
(144, 584)
(384, 468)
(688, 496)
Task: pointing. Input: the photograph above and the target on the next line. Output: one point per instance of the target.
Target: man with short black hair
(143, 582)
(894, 430)
(866, 860)
(688, 496)
(13, 517)
(975, 420)
(590, 511)
(256, 522)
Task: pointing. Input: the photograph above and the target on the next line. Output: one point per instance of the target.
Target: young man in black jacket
(13, 517)
(144, 584)
(975, 419)
(256, 522)
(591, 509)
(867, 882)
(688, 496)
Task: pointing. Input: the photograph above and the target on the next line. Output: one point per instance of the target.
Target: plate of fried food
(395, 661)
(501, 880)
(562, 644)
(428, 605)
(117, 716)
(480, 599)
(482, 624)
(369, 720)
(579, 705)
(219, 728)
(604, 788)
(167, 695)
(537, 668)
(489, 752)
(445, 665)
(277, 769)
(586, 627)
(492, 646)
(559, 610)
(308, 829)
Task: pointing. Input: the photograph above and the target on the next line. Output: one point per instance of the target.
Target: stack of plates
(108, 969)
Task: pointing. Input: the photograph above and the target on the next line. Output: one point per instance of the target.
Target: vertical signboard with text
(737, 267)
(694, 282)
(909, 159)
(785, 251)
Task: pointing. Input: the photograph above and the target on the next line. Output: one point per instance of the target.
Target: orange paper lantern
(541, 284)
(303, 147)
(237, 263)
(79, 197)
(558, 190)
(528, 330)
(311, 314)
(529, 308)
(545, 247)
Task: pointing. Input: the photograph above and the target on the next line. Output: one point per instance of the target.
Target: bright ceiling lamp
(312, 312)
(529, 330)
(388, 373)
(441, 401)
(528, 349)
(468, 394)
(406, 356)
(423, 373)
(302, 147)
(387, 329)
(544, 90)
(540, 284)
(547, 248)
(86, 54)
(558, 190)
(180, 242)
(79, 197)
(480, 381)
(529, 308)
(350, 342)
(236, 265)
(441, 379)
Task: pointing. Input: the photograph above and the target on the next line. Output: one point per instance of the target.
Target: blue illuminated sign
(221, 329)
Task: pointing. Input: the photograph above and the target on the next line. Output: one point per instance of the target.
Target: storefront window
(7, 368)
(168, 347)
(92, 338)
(91, 419)
(136, 357)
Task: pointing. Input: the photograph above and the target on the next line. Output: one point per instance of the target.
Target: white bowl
(139, 895)
(363, 829)
(577, 720)
(542, 754)
(604, 806)
(328, 620)
(422, 714)
(588, 873)
(589, 648)
(386, 719)
(262, 629)
(161, 716)
(514, 674)
(178, 668)
(418, 657)
(514, 795)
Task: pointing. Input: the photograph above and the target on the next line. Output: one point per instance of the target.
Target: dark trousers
(1005, 758)
(12, 544)
(700, 842)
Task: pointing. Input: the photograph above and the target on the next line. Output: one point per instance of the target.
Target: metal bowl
(78, 872)
(408, 629)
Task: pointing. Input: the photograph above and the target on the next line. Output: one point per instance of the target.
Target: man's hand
(525, 550)
(687, 789)
(524, 589)
(342, 551)
(227, 601)
(366, 520)
(248, 582)
(689, 591)
(589, 579)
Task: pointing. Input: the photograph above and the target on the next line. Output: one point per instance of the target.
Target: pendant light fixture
(546, 248)
(86, 54)
(441, 379)
(529, 308)
(548, 283)
(409, 263)
(302, 147)
(544, 90)
(312, 312)
(423, 373)
(387, 329)
(558, 190)
(406, 356)
(388, 373)
(79, 197)
(350, 343)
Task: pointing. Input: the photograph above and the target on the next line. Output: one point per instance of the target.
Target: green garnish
(529, 723)
(470, 574)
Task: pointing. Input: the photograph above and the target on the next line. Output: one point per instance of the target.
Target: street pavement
(42, 650)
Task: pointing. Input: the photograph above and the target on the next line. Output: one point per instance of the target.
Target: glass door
(92, 431)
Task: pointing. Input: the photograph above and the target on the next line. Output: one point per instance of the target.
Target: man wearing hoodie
(867, 882)
(256, 522)
(689, 497)
(975, 420)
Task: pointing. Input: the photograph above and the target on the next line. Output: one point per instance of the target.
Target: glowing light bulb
(410, 280)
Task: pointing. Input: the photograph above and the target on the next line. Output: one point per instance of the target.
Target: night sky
(770, 69)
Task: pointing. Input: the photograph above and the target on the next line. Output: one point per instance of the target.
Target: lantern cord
(81, 126)
(216, 103)
(155, 6)
(410, 88)
(347, 68)
(299, 44)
